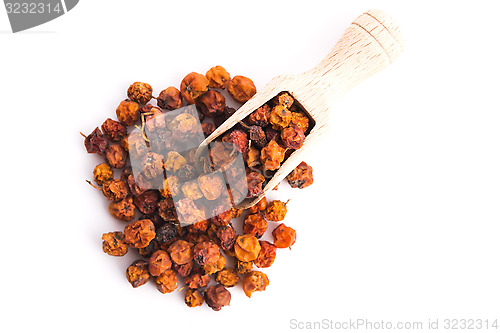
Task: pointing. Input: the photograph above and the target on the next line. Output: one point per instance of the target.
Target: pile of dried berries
(171, 186)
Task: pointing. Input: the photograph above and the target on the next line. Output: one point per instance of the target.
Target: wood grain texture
(369, 44)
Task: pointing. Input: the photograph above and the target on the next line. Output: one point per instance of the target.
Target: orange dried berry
(193, 86)
(259, 206)
(140, 92)
(272, 155)
(255, 225)
(166, 282)
(193, 298)
(211, 185)
(181, 252)
(128, 112)
(280, 117)
(241, 88)
(300, 120)
(124, 209)
(284, 236)
(138, 234)
(266, 256)
(218, 77)
(285, 99)
(276, 211)
(293, 137)
(169, 99)
(159, 262)
(113, 243)
(301, 176)
(137, 273)
(228, 277)
(246, 248)
(254, 281)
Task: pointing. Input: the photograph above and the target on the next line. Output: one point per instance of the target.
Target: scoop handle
(371, 43)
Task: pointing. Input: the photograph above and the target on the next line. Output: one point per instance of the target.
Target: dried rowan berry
(128, 112)
(138, 234)
(260, 117)
(206, 253)
(272, 134)
(115, 189)
(259, 206)
(228, 112)
(276, 210)
(238, 138)
(218, 77)
(300, 120)
(246, 248)
(113, 130)
(148, 250)
(181, 252)
(227, 236)
(116, 156)
(266, 256)
(124, 209)
(243, 267)
(285, 99)
(217, 296)
(222, 154)
(167, 211)
(102, 173)
(254, 281)
(166, 233)
(136, 187)
(228, 277)
(211, 104)
(280, 117)
(252, 157)
(255, 181)
(198, 228)
(159, 262)
(170, 187)
(255, 225)
(152, 165)
(137, 273)
(211, 185)
(293, 137)
(257, 136)
(207, 128)
(154, 120)
(191, 190)
(193, 86)
(223, 218)
(184, 127)
(113, 243)
(193, 298)
(95, 142)
(136, 145)
(166, 282)
(184, 269)
(241, 88)
(211, 269)
(272, 155)
(174, 161)
(186, 173)
(301, 176)
(140, 92)
(147, 202)
(197, 280)
(169, 99)
(188, 212)
(284, 236)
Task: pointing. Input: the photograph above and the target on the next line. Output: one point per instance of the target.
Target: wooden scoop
(372, 42)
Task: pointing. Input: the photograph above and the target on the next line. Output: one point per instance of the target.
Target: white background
(401, 224)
